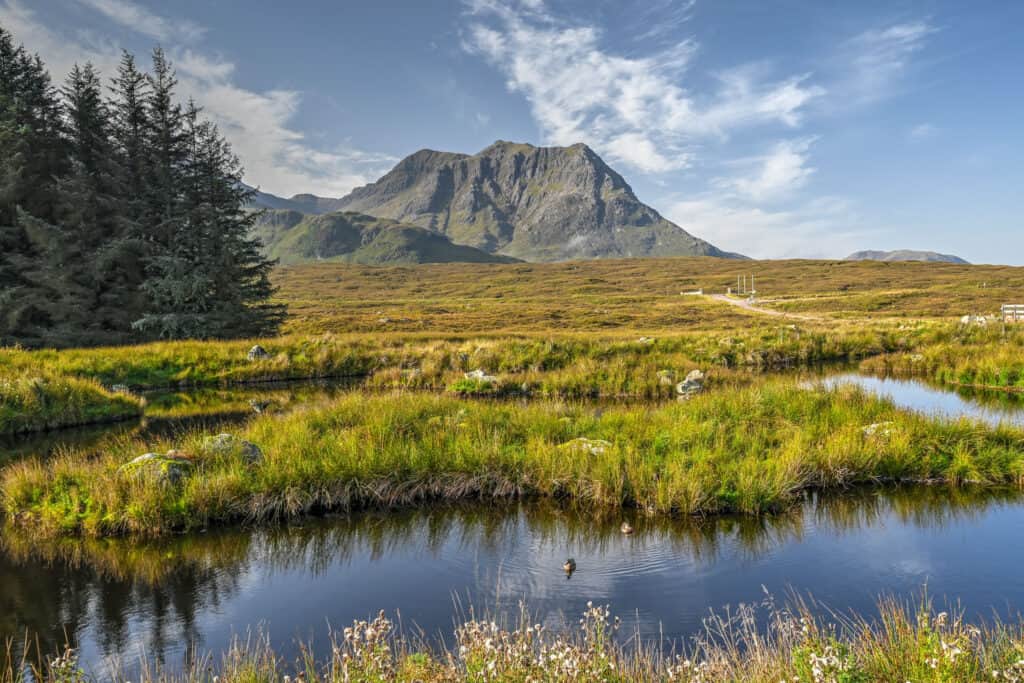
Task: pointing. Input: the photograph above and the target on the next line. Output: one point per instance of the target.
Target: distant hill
(348, 237)
(304, 203)
(905, 255)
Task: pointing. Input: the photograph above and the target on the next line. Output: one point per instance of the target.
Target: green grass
(757, 644)
(32, 402)
(746, 450)
(987, 358)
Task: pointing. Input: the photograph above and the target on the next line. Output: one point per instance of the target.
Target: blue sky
(793, 128)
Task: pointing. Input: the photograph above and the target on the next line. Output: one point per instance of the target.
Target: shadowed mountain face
(531, 203)
(905, 255)
(294, 237)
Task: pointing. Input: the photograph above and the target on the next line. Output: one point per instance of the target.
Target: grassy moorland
(988, 358)
(424, 326)
(40, 401)
(760, 644)
(629, 296)
(745, 450)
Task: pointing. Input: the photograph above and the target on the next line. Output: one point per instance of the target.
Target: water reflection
(171, 413)
(990, 406)
(116, 597)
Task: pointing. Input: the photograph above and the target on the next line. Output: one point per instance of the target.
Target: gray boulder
(692, 385)
(257, 352)
(172, 468)
(480, 376)
(229, 444)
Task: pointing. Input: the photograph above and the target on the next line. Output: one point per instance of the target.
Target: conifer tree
(32, 155)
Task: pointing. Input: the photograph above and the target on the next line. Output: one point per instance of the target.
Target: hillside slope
(348, 237)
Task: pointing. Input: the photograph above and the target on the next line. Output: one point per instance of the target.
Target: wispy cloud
(277, 157)
(922, 131)
(141, 20)
(775, 175)
(634, 109)
(826, 227)
(876, 60)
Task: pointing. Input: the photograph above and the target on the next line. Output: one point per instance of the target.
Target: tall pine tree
(207, 277)
(121, 219)
(32, 156)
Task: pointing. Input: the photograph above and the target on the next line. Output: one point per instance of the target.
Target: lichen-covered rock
(587, 446)
(260, 405)
(257, 352)
(692, 385)
(882, 429)
(229, 444)
(481, 376)
(172, 468)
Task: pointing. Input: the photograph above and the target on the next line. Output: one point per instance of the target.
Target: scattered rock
(480, 376)
(645, 340)
(120, 389)
(172, 468)
(692, 385)
(588, 446)
(978, 320)
(260, 405)
(227, 444)
(878, 429)
(257, 353)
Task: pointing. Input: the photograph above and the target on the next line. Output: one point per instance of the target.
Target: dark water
(118, 599)
(992, 407)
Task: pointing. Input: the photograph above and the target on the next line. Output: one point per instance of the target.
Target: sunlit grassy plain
(557, 333)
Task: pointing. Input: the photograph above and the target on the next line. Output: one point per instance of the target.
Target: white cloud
(821, 228)
(776, 175)
(141, 20)
(631, 108)
(923, 131)
(277, 157)
(878, 58)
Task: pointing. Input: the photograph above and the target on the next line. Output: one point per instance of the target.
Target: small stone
(260, 405)
(480, 376)
(878, 429)
(692, 385)
(257, 352)
(588, 446)
(226, 444)
(170, 469)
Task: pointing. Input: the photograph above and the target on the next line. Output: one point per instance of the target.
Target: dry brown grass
(626, 296)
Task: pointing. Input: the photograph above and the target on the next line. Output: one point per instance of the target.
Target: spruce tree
(32, 155)
(207, 277)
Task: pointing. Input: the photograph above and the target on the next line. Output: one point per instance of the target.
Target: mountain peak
(529, 202)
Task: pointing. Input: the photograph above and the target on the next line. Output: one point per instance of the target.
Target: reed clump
(748, 450)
